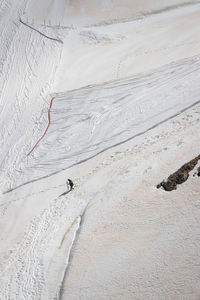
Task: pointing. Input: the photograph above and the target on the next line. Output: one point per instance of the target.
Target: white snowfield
(100, 117)
(124, 76)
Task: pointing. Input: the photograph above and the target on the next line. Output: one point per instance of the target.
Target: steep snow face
(115, 236)
(29, 60)
(115, 53)
(9, 22)
(88, 121)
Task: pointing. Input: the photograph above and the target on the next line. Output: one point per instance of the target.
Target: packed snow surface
(123, 79)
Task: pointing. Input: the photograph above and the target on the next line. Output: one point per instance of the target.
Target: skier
(70, 184)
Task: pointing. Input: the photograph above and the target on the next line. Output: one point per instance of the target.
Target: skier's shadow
(65, 193)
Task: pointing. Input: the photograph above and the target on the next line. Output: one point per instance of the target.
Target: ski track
(29, 258)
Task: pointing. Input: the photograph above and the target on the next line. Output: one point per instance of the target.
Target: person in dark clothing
(70, 184)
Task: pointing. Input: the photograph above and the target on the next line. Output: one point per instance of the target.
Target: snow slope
(125, 80)
(101, 117)
(86, 12)
(122, 52)
(28, 66)
(137, 242)
(133, 241)
(125, 49)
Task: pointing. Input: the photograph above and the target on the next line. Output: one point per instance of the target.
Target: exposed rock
(179, 176)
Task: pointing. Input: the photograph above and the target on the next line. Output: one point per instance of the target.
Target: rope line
(49, 122)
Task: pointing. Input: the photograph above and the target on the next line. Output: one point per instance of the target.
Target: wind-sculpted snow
(9, 24)
(67, 94)
(28, 64)
(85, 122)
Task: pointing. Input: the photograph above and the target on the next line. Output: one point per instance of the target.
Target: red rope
(49, 122)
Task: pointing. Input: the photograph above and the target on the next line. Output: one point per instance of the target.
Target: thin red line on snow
(49, 122)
